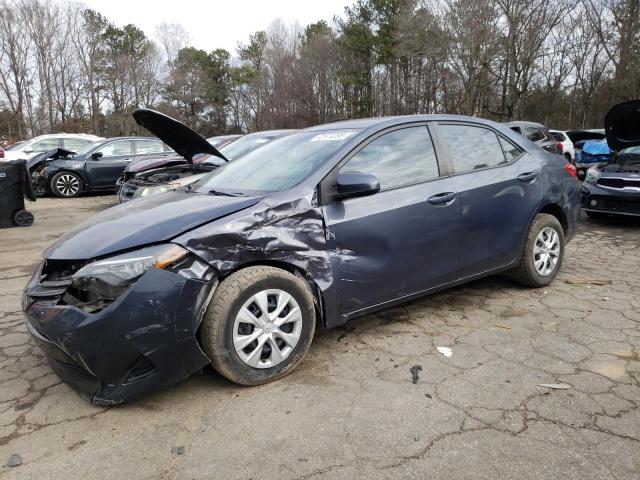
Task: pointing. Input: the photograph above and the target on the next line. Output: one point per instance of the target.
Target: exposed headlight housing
(106, 279)
(593, 175)
(156, 190)
(150, 191)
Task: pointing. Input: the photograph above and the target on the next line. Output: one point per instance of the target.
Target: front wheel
(66, 185)
(543, 251)
(259, 325)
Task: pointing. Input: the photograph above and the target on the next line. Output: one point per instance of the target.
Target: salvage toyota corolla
(241, 268)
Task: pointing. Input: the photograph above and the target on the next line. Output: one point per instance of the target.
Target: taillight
(1, 153)
(571, 169)
(560, 148)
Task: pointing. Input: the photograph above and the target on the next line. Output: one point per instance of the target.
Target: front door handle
(444, 198)
(527, 177)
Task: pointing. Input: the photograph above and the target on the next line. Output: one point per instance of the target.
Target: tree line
(64, 67)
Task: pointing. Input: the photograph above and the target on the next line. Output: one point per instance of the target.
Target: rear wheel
(66, 184)
(259, 325)
(543, 252)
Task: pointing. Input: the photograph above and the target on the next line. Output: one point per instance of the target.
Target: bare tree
(172, 38)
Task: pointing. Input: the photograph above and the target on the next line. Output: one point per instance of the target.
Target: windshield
(276, 166)
(85, 149)
(246, 144)
(14, 146)
(634, 150)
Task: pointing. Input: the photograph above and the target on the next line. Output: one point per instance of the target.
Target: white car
(44, 143)
(568, 149)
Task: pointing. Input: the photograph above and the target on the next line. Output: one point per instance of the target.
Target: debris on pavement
(15, 460)
(555, 386)
(588, 281)
(446, 351)
(176, 451)
(414, 373)
(500, 325)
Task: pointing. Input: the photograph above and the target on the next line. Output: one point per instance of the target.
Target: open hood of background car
(577, 135)
(146, 221)
(622, 125)
(177, 135)
(47, 156)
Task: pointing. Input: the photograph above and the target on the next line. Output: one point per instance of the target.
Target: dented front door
(401, 240)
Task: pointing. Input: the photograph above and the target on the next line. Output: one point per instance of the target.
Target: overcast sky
(214, 23)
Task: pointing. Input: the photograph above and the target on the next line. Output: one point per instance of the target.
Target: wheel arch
(556, 210)
(315, 290)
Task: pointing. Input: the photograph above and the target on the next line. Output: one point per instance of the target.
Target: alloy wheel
(267, 328)
(546, 251)
(68, 185)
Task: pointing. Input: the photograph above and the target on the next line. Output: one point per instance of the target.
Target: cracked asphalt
(351, 410)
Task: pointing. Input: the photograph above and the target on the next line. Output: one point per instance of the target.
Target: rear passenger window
(75, 144)
(148, 146)
(534, 134)
(401, 157)
(472, 148)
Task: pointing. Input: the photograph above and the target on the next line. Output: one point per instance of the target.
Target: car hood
(142, 222)
(622, 125)
(177, 135)
(48, 156)
(581, 135)
(626, 163)
(145, 164)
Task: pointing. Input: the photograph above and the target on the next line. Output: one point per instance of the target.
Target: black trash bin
(15, 185)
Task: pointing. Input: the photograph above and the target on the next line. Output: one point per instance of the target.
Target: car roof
(366, 123)
(525, 124)
(64, 135)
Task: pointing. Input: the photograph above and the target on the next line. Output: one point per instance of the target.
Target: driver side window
(398, 158)
(116, 149)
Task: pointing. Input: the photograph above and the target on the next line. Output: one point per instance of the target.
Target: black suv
(93, 168)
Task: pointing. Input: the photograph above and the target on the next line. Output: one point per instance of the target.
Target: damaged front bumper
(145, 339)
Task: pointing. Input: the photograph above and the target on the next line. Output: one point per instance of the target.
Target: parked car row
(142, 180)
(29, 148)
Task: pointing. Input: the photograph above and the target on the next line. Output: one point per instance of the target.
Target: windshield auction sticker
(331, 137)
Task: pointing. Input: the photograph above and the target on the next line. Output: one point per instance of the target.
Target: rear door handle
(527, 177)
(444, 198)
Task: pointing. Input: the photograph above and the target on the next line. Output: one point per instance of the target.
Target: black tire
(22, 218)
(73, 182)
(218, 323)
(596, 215)
(568, 157)
(525, 272)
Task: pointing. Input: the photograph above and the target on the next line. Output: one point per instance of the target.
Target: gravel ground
(351, 410)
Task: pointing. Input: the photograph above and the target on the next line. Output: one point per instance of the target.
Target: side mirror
(28, 150)
(356, 184)
(96, 155)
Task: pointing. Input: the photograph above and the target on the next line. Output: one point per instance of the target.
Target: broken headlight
(104, 280)
(593, 175)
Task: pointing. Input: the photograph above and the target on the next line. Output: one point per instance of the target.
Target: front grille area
(619, 183)
(615, 205)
